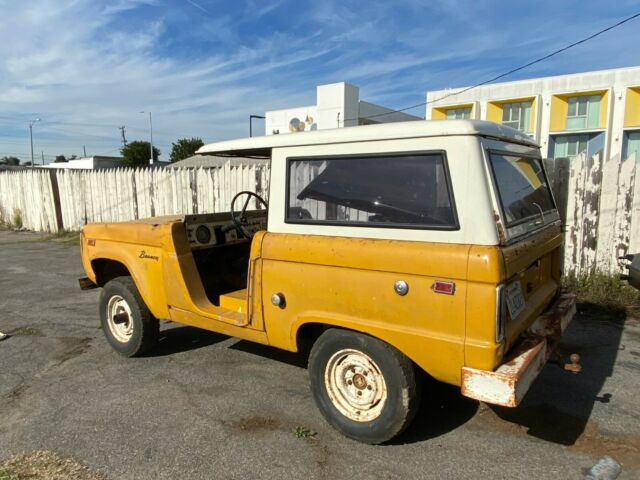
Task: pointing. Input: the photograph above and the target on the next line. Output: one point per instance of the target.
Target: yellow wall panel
(558, 113)
(494, 112)
(532, 120)
(604, 108)
(632, 108)
(438, 113)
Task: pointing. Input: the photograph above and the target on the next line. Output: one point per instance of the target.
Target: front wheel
(364, 387)
(126, 321)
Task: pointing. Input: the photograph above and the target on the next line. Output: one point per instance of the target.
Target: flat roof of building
(261, 146)
(588, 73)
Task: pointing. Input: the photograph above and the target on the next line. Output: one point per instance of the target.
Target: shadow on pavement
(442, 410)
(556, 409)
(559, 404)
(182, 339)
(296, 359)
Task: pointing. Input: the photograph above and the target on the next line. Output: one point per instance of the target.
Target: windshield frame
(455, 225)
(528, 224)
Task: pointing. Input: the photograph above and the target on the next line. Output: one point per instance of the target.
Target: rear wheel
(363, 386)
(126, 321)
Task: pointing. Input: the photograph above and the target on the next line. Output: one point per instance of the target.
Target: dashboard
(205, 230)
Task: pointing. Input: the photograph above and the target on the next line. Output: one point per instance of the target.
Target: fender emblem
(144, 254)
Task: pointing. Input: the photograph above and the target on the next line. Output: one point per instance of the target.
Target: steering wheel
(240, 221)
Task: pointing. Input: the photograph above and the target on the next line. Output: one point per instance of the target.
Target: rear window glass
(522, 187)
(376, 191)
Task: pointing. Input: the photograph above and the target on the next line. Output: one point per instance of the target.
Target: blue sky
(202, 67)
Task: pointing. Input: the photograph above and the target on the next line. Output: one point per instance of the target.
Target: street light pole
(31, 136)
(150, 139)
(251, 117)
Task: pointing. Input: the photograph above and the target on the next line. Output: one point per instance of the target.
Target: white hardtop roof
(261, 146)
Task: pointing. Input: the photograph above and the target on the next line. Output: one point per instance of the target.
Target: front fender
(144, 264)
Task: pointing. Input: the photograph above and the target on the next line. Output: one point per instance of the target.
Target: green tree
(136, 154)
(60, 159)
(9, 161)
(184, 148)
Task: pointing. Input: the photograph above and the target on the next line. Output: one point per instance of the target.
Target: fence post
(558, 170)
(55, 190)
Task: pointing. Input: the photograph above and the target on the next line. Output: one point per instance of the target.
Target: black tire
(402, 398)
(145, 329)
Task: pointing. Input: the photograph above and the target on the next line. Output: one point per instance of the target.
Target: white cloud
(202, 68)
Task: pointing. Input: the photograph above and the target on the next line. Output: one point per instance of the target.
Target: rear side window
(522, 187)
(411, 191)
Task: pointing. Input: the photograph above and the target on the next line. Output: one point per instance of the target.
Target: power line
(502, 75)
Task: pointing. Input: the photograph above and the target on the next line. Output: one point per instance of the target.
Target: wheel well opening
(307, 335)
(107, 269)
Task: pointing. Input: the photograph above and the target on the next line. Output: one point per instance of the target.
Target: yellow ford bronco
(432, 245)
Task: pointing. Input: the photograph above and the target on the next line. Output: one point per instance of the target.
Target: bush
(17, 218)
(136, 154)
(605, 291)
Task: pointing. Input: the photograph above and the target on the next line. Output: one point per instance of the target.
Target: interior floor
(223, 269)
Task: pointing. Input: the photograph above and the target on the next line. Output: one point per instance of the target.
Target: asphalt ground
(207, 406)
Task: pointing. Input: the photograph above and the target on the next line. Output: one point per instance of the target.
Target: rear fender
(424, 350)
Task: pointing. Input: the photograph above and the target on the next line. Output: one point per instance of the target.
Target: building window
(517, 115)
(570, 146)
(631, 145)
(583, 112)
(459, 113)
(411, 190)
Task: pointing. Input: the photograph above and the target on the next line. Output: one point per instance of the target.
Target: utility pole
(31, 136)
(150, 138)
(84, 150)
(124, 139)
(42, 153)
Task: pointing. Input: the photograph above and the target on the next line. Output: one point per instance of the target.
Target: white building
(88, 163)
(566, 114)
(337, 105)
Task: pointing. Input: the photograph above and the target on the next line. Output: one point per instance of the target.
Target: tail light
(501, 313)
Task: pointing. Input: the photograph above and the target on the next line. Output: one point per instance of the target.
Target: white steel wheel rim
(355, 385)
(119, 318)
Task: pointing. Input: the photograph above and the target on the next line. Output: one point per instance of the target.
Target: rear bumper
(509, 383)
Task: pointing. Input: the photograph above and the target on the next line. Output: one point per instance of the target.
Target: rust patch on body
(502, 236)
(508, 384)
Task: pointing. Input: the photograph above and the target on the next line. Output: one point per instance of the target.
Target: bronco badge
(144, 254)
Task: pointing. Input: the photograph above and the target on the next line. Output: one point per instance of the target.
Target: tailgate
(531, 279)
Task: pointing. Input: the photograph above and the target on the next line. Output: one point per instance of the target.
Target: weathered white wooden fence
(600, 204)
(58, 200)
(26, 200)
(599, 200)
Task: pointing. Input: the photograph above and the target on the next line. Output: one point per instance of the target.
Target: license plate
(515, 299)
